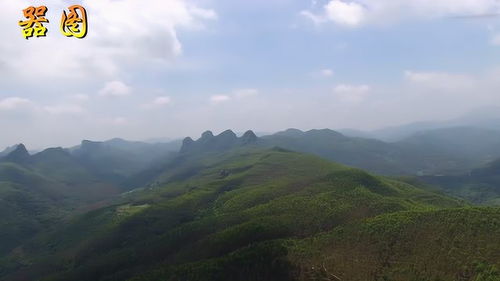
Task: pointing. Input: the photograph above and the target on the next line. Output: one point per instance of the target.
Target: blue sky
(173, 68)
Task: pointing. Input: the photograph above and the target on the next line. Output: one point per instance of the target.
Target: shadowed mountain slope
(238, 206)
(480, 186)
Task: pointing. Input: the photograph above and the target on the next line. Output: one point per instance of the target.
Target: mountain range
(292, 206)
(484, 118)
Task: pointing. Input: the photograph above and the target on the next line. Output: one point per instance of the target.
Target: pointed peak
(187, 143)
(207, 135)
(249, 133)
(187, 140)
(249, 137)
(228, 133)
(21, 147)
(20, 154)
(8, 150)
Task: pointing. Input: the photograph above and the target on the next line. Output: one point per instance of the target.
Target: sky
(175, 68)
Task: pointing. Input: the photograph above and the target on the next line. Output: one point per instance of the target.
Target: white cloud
(219, 99)
(18, 103)
(162, 101)
(358, 12)
(12, 103)
(316, 19)
(122, 35)
(327, 72)
(157, 102)
(442, 81)
(115, 89)
(238, 94)
(322, 73)
(345, 13)
(351, 93)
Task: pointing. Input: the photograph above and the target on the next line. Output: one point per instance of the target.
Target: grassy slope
(226, 214)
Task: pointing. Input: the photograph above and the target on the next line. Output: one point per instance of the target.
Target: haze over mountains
(276, 207)
(451, 151)
(484, 118)
(138, 152)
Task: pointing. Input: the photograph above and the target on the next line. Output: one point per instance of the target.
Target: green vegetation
(225, 208)
(240, 204)
(456, 244)
(39, 192)
(433, 152)
(480, 186)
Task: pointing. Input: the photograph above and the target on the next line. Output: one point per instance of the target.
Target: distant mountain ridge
(215, 214)
(8, 150)
(224, 141)
(18, 155)
(41, 189)
(480, 186)
(433, 152)
(120, 163)
(485, 118)
(231, 208)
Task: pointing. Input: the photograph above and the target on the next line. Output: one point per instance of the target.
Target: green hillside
(215, 209)
(480, 186)
(448, 151)
(39, 191)
(402, 158)
(456, 244)
(29, 203)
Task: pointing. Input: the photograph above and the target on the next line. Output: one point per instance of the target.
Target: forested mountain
(436, 152)
(117, 159)
(236, 208)
(480, 186)
(40, 191)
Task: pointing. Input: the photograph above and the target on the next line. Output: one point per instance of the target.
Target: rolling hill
(237, 208)
(40, 191)
(251, 213)
(28, 205)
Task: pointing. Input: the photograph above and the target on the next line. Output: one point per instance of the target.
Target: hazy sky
(171, 68)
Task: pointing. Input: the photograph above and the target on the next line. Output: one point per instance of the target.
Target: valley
(243, 208)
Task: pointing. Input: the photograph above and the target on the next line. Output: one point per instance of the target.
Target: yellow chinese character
(74, 23)
(34, 25)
